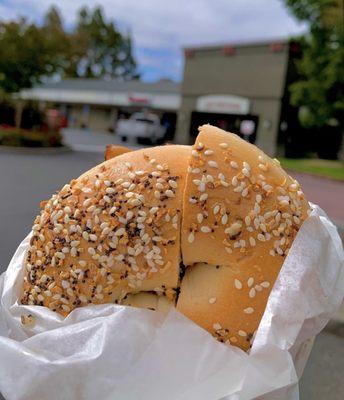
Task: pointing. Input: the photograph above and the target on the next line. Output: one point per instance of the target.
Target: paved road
(27, 179)
(327, 193)
(86, 140)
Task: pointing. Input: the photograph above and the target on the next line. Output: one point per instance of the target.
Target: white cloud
(170, 25)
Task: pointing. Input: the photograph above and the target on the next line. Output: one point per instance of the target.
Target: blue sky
(161, 28)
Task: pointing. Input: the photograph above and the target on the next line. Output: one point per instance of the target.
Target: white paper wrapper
(116, 352)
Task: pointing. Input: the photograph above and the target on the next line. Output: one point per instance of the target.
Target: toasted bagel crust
(119, 232)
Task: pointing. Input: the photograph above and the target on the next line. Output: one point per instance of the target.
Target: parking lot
(27, 178)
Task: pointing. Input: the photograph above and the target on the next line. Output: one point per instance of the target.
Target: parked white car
(144, 126)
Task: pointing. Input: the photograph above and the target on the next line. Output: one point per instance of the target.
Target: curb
(35, 150)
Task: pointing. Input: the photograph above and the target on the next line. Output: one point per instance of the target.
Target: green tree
(94, 48)
(57, 39)
(100, 49)
(320, 90)
(25, 55)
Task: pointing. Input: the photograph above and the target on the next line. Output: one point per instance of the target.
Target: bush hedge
(29, 138)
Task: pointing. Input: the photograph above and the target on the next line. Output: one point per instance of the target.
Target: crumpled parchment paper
(122, 353)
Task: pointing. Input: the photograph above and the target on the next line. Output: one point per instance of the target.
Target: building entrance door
(243, 125)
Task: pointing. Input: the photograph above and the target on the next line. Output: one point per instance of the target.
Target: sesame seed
(87, 202)
(208, 152)
(201, 187)
(258, 288)
(224, 145)
(237, 284)
(261, 237)
(200, 146)
(224, 183)
(224, 219)
(205, 229)
(212, 300)
(239, 189)
(252, 241)
(83, 298)
(191, 237)
(85, 235)
(65, 307)
(265, 284)
(217, 326)
(234, 180)
(93, 237)
(212, 164)
(199, 218)
(65, 284)
(140, 173)
(296, 219)
(156, 173)
(216, 209)
(244, 193)
(67, 210)
(40, 297)
(157, 194)
(262, 227)
(196, 171)
(60, 255)
(258, 198)
(173, 183)
(246, 172)
(252, 292)
(249, 310)
(91, 251)
(242, 333)
(250, 281)
(99, 288)
(169, 193)
(234, 164)
(120, 232)
(234, 229)
(203, 197)
(229, 250)
(267, 187)
(194, 153)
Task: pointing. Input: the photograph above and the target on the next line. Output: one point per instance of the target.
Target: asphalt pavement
(27, 179)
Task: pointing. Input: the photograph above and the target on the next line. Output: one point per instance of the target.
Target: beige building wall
(252, 71)
(99, 119)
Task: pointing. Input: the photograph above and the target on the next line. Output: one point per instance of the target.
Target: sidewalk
(327, 193)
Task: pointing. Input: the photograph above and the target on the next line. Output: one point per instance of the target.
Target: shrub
(10, 136)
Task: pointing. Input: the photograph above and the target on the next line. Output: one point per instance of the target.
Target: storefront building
(97, 104)
(240, 88)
